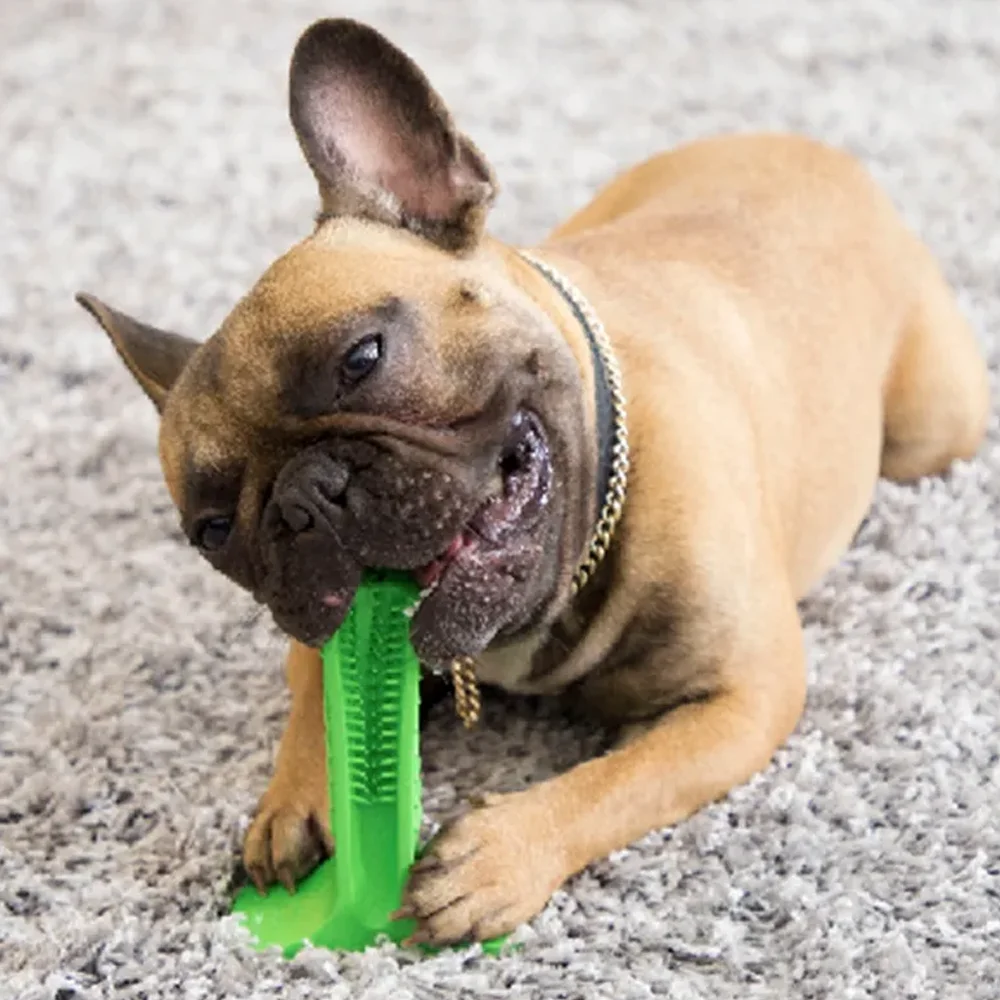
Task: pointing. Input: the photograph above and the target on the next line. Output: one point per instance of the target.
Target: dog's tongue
(428, 575)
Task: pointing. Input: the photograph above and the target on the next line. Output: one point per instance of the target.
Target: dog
(615, 462)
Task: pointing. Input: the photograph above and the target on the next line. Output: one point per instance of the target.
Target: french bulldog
(614, 463)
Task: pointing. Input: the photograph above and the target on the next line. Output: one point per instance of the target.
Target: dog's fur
(783, 339)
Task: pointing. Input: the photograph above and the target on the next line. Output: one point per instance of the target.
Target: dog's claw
(287, 879)
(416, 939)
(428, 863)
(480, 800)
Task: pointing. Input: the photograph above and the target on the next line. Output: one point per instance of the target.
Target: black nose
(296, 515)
(312, 493)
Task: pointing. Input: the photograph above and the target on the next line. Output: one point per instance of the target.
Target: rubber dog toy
(371, 702)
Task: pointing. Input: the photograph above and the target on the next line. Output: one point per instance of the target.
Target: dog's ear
(154, 357)
(379, 139)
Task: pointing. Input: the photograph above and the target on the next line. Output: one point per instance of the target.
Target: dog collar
(612, 427)
(612, 465)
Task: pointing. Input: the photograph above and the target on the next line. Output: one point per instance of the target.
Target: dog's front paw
(492, 869)
(290, 834)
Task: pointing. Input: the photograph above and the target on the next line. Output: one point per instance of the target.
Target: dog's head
(388, 395)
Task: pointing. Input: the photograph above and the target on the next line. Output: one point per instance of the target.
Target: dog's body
(783, 339)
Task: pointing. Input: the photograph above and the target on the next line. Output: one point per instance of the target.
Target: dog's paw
(489, 871)
(289, 836)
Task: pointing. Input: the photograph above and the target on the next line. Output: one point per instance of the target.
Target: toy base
(312, 916)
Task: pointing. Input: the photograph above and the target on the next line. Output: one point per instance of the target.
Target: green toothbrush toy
(371, 701)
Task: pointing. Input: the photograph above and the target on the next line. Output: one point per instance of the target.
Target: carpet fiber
(147, 158)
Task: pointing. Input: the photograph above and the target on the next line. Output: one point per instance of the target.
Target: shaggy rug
(147, 158)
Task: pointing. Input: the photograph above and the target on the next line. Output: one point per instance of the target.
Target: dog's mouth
(479, 585)
(525, 472)
(469, 589)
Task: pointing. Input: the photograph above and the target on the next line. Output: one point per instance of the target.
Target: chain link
(614, 500)
(468, 704)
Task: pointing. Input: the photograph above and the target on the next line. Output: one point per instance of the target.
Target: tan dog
(400, 390)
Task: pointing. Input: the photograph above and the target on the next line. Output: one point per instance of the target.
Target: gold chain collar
(614, 497)
(468, 703)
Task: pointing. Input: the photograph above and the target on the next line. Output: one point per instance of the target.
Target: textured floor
(146, 156)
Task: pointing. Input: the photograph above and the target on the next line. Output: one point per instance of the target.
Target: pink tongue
(429, 574)
(426, 575)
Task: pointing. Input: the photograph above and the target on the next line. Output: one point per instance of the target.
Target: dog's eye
(212, 533)
(362, 358)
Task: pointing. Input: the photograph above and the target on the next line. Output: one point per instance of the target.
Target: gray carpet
(146, 157)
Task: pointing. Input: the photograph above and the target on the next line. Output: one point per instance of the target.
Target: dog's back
(777, 267)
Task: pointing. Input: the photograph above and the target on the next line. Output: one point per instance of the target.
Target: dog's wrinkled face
(367, 406)
(385, 396)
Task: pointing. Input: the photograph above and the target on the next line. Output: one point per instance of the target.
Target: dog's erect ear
(379, 139)
(153, 356)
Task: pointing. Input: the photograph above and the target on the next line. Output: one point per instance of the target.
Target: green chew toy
(371, 700)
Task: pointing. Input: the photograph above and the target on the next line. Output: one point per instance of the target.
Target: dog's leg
(937, 398)
(497, 865)
(291, 831)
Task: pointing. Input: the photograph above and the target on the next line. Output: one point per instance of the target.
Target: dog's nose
(312, 496)
(297, 516)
